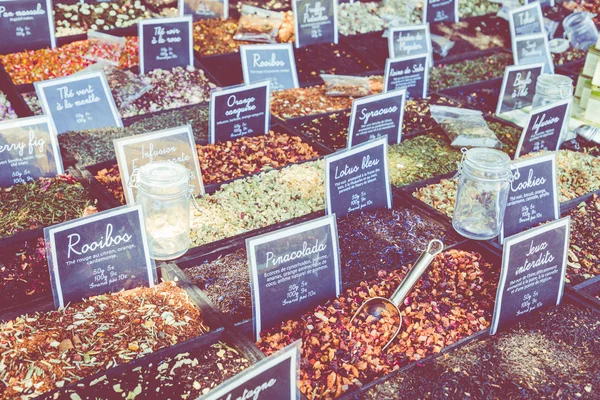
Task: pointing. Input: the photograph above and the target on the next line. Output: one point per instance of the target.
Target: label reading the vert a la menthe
(101, 253)
(533, 273)
(26, 25)
(165, 43)
(79, 102)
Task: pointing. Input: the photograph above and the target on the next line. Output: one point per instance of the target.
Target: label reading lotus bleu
(26, 25)
(438, 11)
(239, 111)
(375, 116)
(543, 128)
(518, 87)
(165, 43)
(315, 21)
(533, 273)
(293, 270)
(79, 102)
(409, 41)
(533, 195)
(175, 144)
(408, 72)
(526, 20)
(358, 179)
(272, 378)
(29, 151)
(102, 253)
(204, 9)
(533, 49)
(274, 62)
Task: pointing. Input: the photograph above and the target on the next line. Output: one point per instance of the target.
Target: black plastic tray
(245, 327)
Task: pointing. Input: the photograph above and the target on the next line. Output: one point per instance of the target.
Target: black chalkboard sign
(272, 378)
(533, 195)
(409, 40)
(274, 62)
(358, 179)
(28, 151)
(315, 21)
(526, 20)
(78, 102)
(543, 128)
(240, 111)
(293, 270)
(533, 49)
(438, 11)
(375, 116)
(101, 253)
(204, 9)
(26, 25)
(533, 272)
(408, 72)
(165, 43)
(518, 87)
(174, 144)
(543, 3)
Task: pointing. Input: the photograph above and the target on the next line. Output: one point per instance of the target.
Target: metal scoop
(376, 305)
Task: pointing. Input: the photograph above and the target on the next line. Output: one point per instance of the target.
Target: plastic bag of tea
(126, 86)
(104, 48)
(465, 128)
(441, 45)
(258, 25)
(346, 86)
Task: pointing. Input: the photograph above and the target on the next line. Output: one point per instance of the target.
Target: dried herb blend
(41, 203)
(6, 110)
(215, 36)
(232, 159)
(77, 19)
(95, 146)
(369, 242)
(328, 58)
(186, 375)
(546, 355)
(509, 136)
(483, 99)
(33, 103)
(39, 65)
(359, 17)
(421, 158)
(453, 299)
(312, 100)
(568, 56)
(578, 174)
(44, 351)
(332, 129)
(23, 272)
(258, 201)
(469, 8)
(464, 72)
(584, 249)
(171, 89)
(476, 33)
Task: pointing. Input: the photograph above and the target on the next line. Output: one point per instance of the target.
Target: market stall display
(195, 330)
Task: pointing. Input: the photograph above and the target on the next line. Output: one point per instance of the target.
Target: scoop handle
(416, 271)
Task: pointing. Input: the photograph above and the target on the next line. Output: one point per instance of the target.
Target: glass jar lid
(486, 163)
(554, 85)
(163, 178)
